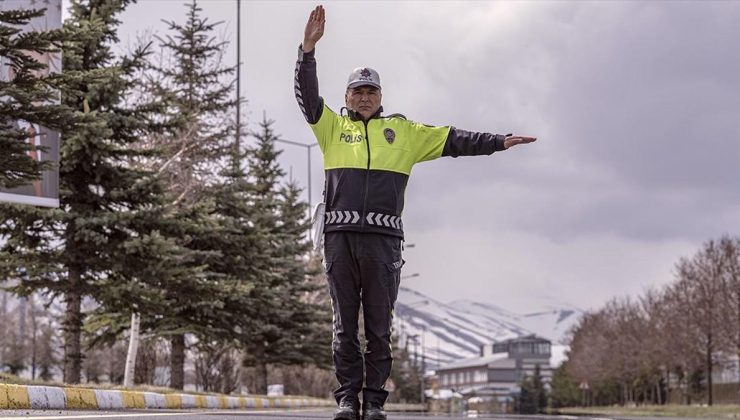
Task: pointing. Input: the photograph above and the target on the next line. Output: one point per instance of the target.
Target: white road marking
(95, 416)
(199, 413)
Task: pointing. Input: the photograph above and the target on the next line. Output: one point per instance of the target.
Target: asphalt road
(256, 415)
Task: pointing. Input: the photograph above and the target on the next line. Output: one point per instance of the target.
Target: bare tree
(48, 351)
(146, 362)
(729, 249)
(216, 367)
(625, 335)
(700, 287)
(681, 335)
(680, 331)
(656, 357)
(3, 322)
(588, 349)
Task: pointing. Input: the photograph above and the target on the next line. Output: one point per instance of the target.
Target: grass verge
(6, 378)
(691, 411)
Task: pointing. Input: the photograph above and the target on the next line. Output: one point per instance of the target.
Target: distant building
(492, 379)
(726, 369)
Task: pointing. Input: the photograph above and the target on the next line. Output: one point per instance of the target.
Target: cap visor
(362, 83)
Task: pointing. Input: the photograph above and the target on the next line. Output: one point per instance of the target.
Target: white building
(493, 378)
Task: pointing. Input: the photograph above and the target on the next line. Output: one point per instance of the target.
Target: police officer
(367, 162)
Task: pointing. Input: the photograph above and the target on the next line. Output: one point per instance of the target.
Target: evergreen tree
(264, 175)
(540, 391)
(526, 403)
(107, 206)
(565, 391)
(533, 396)
(404, 374)
(307, 327)
(194, 150)
(27, 95)
(293, 329)
(235, 256)
(193, 79)
(47, 358)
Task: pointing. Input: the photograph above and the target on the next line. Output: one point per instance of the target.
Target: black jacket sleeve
(468, 143)
(307, 86)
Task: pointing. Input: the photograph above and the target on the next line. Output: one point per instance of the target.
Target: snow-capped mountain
(456, 330)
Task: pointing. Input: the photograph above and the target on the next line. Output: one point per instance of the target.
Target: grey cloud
(635, 104)
(651, 93)
(639, 98)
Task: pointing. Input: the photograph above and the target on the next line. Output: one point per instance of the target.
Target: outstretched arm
(469, 143)
(435, 142)
(306, 81)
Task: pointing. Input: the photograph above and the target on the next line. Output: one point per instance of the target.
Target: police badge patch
(390, 135)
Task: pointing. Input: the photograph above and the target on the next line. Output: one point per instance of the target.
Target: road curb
(50, 397)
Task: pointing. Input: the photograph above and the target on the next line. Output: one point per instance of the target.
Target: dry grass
(693, 411)
(6, 378)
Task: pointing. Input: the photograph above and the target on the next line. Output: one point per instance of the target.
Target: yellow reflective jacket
(368, 163)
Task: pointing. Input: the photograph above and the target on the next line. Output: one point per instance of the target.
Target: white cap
(363, 76)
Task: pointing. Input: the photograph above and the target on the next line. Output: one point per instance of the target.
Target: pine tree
(404, 374)
(293, 329)
(565, 392)
(47, 357)
(540, 391)
(307, 326)
(532, 396)
(27, 95)
(108, 207)
(264, 175)
(194, 151)
(235, 256)
(526, 403)
(193, 80)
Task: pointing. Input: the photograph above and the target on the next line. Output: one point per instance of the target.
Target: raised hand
(510, 140)
(314, 28)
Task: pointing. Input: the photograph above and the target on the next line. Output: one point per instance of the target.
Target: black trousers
(362, 268)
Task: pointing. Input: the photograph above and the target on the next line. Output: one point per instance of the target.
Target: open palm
(314, 28)
(514, 140)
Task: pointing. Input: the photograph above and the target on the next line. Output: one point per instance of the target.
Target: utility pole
(238, 81)
(439, 357)
(423, 363)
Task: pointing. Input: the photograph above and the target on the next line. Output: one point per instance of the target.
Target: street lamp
(422, 366)
(415, 337)
(410, 305)
(308, 152)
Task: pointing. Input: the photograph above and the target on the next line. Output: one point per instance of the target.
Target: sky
(635, 106)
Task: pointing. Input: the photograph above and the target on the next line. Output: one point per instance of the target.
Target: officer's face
(365, 100)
